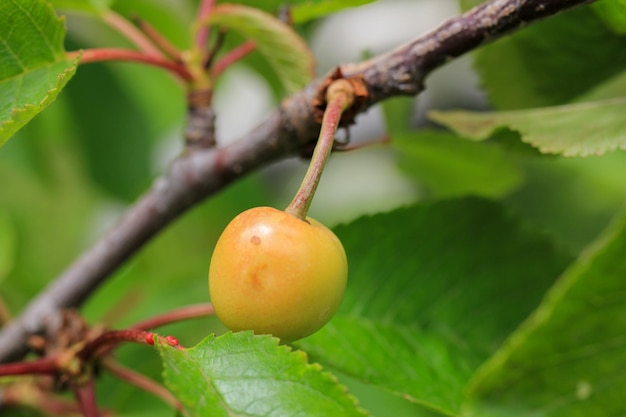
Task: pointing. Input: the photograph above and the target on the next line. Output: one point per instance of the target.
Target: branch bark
(200, 174)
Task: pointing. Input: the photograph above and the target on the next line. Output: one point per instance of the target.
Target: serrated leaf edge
(48, 99)
(301, 355)
(440, 117)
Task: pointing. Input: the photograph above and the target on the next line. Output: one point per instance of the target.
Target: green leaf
(313, 9)
(433, 290)
(88, 6)
(449, 165)
(581, 129)
(283, 48)
(613, 13)
(550, 62)
(245, 375)
(34, 67)
(568, 358)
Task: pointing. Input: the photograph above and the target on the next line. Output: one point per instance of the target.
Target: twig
(112, 338)
(85, 394)
(142, 382)
(123, 26)
(183, 313)
(197, 175)
(160, 41)
(43, 366)
(119, 54)
(202, 35)
(231, 57)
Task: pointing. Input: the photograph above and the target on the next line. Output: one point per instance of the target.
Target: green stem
(339, 97)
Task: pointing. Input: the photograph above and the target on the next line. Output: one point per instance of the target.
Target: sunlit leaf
(568, 358)
(245, 375)
(433, 290)
(312, 9)
(88, 6)
(581, 129)
(550, 62)
(34, 67)
(284, 49)
(613, 12)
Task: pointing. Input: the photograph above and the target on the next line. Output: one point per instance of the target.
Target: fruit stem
(339, 97)
(183, 313)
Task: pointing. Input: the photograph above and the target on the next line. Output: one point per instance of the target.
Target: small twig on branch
(142, 382)
(231, 57)
(183, 313)
(162, 43)
(85, 393)
(119, 54)
(199, 174)
(113, 338)
(202, 36)
(43, 366)
(126, 28)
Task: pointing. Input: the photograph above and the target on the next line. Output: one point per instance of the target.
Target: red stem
(142, 382)
(339, 97)
(112, 338)
(159, 40)
(86, 397)
(202, 36)
(44, 366)
(123, 26)
(231, 57)
(119, 54)
(184, 313)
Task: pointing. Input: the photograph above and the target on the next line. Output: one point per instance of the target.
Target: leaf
(613, 13)
(449, 165)
(568, 358)
(245, 375)
(583, 129)
(284, 49)
(313, 9)
(550, 62)
(34, 67)
(433, 290)
(88, 6)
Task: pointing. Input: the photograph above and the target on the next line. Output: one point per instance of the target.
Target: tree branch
(200, 174)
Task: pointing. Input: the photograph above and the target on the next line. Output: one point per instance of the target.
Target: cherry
(281, 272)
(274, 273)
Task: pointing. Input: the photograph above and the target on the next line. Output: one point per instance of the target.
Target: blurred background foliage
(67, 176)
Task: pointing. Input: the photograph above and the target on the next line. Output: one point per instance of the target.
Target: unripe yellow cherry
(273, 273)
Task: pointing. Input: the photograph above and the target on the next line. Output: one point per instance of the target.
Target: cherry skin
(274, 273)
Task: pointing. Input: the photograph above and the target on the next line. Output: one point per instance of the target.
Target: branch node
(353, 85)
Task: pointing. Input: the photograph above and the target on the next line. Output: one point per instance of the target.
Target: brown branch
(200, 174)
